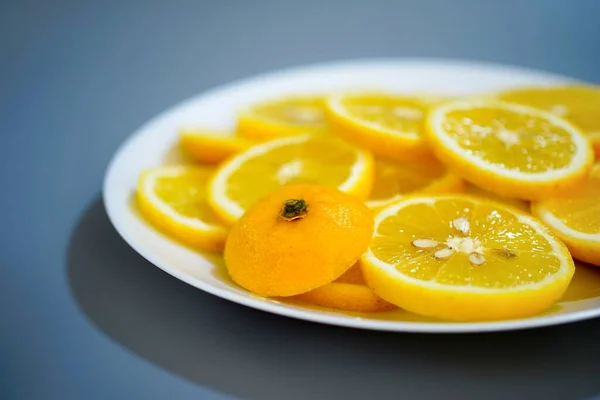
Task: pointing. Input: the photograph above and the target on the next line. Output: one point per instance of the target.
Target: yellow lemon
(316, 159)
(509, 149)
(462, 258)
(174, 200)
(394, 180)
(210, 147)
(391, 126)
(576, 218)
(577, 103)
(282, 117)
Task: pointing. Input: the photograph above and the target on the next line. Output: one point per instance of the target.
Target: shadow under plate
(256, 355)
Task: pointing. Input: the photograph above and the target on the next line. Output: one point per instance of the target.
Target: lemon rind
(149, 180)
(558, 249)
(581, 159)
(231, 210)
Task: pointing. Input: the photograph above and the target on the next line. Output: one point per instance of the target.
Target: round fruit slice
(576, 219)
(346, 297)
(211, 147)
(578, 104)
(174, 200)
(283, 117)
(390, 126)
(318, 159)
(461, 258)
(353, 275)
(509, 149)
(349, 292)
(522, 205)
(394, 180)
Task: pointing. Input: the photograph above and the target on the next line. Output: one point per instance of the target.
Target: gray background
(84, 317)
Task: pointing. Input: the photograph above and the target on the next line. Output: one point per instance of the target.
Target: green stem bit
(294, 209)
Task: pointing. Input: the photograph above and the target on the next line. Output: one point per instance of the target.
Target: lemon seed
(462, 225)
(424, 243)
(476, 259)
(443, 253)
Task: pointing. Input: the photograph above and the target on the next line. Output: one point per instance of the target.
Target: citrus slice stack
(576, 218)
(348, 293)
(509, 149)
(474, 190)
(282, 117)
(174, 200)
(394, 180)
(461, 258)
(577, 103)
(317, 159)
(211, 147)
(391, 126)
(346, 297)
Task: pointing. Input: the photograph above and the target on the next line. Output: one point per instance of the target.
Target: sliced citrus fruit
(353, 275)
(349, 292)
(576, 218)
(174, 200)
(577, 103)
(283, 117)
(346, 297)
(296, 239)
(509, 149)
(394, 180)
(391, 126)
(321, 159)
(477, 191)
(211, 147)
(460, 258)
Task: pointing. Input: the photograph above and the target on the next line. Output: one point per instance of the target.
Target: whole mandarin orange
(296, 239)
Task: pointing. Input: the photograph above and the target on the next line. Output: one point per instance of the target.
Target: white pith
(218, 187)
(164, 208)
(578, 160)
(335, 104)
(557, 249)
(560, 226)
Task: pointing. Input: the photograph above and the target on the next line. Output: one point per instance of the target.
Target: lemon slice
(174, 200)
(349, 292)
(460, 258)
(576, 218)
(210, 147)
(283, 117)
(391, 126)
(522, 205)
(317, 159)
(346, 297)
(509, 149)
(578, 104)
(394, 180)
(353, 275)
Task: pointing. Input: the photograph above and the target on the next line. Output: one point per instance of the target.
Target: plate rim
(306, 314)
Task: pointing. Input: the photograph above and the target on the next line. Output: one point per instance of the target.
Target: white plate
(152, 145)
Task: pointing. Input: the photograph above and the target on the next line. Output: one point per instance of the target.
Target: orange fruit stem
(294, 209)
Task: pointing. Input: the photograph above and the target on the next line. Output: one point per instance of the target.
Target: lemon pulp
(511, 140)
(392, 179)
(303, 111)
(319, 160)
(491, 230)
(581, 210)
(186, 194)
(396, 113)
